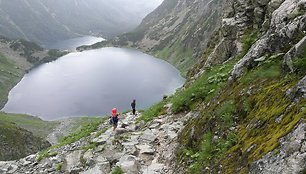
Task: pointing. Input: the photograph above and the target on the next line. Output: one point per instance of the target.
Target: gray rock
(171, 135)
(294, 52)
(129, 164)
(7, 168)
(129, 147)
(259, 15)
(263, 2)
(168, 108)
(88, 156)
(154, 126)
(154, 169)
(256, 51)
(101, 139)
(98, 169)
(298, 91)
(102, 166)
(289, 158)
(120, 131)
(148, 136)
(73, 161)
(145, 149)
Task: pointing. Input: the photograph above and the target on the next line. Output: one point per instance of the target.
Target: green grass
(300, 64)
(226, 112)
(9, 77)
(248, 40)
(154, 111)
(83, 121)
(269, 69)
(92, 145)
(177, 55)
(83, 132)
(203, 89)
(117, 170)
(35, 125)
(59, 166)
(44, 154)
(253, 103)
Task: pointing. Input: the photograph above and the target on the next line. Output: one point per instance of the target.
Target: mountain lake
(91, 83)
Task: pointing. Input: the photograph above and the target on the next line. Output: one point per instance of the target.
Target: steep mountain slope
(252, 98)
(49, 21)
(184, 25)
(16, 142)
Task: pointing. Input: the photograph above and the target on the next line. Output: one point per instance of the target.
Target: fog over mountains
(47, 21)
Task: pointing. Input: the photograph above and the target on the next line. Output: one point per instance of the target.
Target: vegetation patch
(9, 77)
(37, 126)
(241, 122)
(83, 132)
(44, 154)
(203, 89)
(59, 166)
(117, 170)
(92, 145)
(153, 111)
(177, 54)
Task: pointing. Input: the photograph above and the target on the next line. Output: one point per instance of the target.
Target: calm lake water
(72, 44)
(91, 83)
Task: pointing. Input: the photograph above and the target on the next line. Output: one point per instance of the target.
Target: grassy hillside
(16, 142)
(9, 77)
(35, 125)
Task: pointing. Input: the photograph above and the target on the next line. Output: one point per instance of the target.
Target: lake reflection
(91, 83)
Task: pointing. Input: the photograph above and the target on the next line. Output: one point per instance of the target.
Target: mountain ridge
(51, 21)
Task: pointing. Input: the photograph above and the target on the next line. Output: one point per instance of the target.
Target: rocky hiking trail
(134, 147)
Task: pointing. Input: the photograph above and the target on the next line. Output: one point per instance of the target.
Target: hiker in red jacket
(115, 118)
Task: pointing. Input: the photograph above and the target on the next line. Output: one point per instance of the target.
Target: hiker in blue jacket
(133, 105)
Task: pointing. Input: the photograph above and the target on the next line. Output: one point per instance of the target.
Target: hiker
(115, 118)
(133, 104)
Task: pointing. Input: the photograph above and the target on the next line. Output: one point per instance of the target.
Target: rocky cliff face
(255, 123)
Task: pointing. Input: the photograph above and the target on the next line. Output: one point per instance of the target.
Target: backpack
(111, 121)
(115, 119)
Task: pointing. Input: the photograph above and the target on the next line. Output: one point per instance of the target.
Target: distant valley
(48, 21)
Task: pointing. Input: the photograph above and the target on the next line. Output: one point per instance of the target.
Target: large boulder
(294, 53)
(129, 164)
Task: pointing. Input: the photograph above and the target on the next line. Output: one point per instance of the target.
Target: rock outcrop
(287, 27)
(290, 157)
